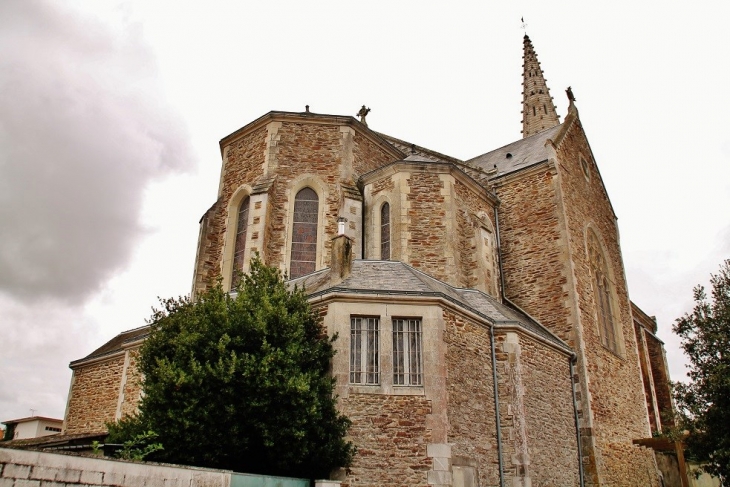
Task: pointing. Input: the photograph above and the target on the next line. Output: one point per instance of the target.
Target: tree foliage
(704, 403)
(241, 382)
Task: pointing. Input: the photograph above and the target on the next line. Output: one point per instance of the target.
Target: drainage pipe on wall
(581, 476)
(496, 407)
(494, 356)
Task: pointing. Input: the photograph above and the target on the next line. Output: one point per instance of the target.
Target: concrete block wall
(23, 468)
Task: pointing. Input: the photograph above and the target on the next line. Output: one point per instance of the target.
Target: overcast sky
(111, 112)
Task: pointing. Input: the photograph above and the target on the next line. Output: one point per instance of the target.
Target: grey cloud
(83, 130)
(36, 351)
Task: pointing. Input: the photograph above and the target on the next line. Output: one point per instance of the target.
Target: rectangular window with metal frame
(407, 352)
(364, 350)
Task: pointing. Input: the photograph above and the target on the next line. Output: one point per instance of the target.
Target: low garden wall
(25, 468)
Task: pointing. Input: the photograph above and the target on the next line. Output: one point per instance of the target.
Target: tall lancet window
(385, 232)
(304, 233)
(240, 247)
(602, 294)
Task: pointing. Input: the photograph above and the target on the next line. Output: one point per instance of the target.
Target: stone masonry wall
(132, 386)
(470, 392)
(427, 227)
(368, 156)
(549, 415)
(470, 207)
(534, 257)
(94, 396)
(243, 165)
(536, 408)
(95, 393)
(615, 391)
(305, 149)
(391, 438)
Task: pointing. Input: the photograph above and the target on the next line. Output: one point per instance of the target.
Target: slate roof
(414, 149)
(117, 343)
(387, 278)
(524, 153)
(396, 278)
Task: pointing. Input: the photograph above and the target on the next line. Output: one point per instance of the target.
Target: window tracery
(602, 292)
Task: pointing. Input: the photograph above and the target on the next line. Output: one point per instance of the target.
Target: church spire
(538, 111)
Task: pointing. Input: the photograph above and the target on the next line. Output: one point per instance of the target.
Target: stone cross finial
(362, 114)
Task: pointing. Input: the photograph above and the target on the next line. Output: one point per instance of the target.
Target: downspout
(499, 255)
(581, 475)
(494, 359)
(361, 187)
(496, 407)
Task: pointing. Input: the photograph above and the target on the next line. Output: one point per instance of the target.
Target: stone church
(487, 337)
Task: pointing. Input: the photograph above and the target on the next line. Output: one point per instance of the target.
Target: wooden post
(679, 448)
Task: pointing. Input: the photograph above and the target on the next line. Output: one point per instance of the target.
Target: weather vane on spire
(524, 25)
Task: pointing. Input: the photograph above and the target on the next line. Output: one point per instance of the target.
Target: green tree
(241, 382)
(704, 403)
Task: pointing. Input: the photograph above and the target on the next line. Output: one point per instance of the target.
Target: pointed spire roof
(538, 110)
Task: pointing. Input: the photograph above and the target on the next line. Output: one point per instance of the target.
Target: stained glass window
(385, 232)
(240, 247)
(304, 233)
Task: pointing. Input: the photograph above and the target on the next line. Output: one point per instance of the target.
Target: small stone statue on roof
(569, 92)
(362, 114)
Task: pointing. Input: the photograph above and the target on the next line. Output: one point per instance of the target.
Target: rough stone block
(68, 475)
(44, 473)
(439, 450)
(113, 478)
(27, 483)
(16, 471)
(51, 483)
(441, 464)
(91, 477)
(441, 477)
(7, 482)
(171, 482)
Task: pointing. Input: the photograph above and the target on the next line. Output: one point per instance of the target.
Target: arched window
(602, 293)
(385, 232)
(240, 246)
(304, 233)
